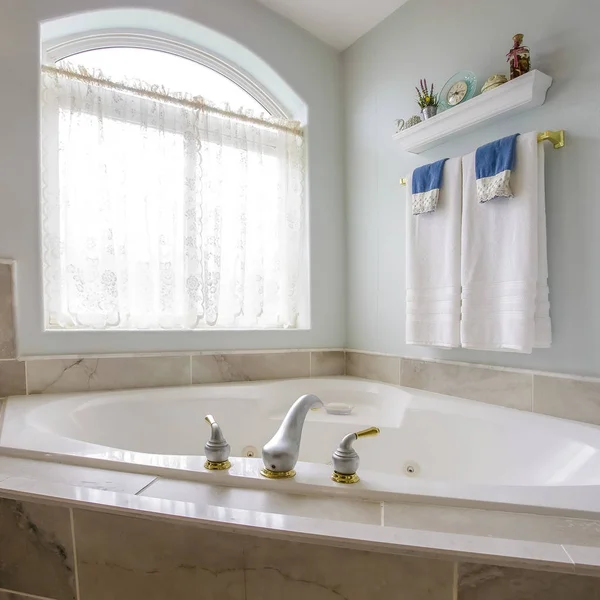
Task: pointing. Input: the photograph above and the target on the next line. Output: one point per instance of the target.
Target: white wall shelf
(527, 91)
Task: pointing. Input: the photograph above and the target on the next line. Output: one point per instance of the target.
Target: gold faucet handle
(368, 432)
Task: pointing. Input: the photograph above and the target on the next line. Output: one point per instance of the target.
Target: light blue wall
(434, 39)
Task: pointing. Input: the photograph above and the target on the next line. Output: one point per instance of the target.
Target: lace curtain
(162, 212)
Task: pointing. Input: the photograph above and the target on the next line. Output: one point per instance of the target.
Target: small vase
(428, 112)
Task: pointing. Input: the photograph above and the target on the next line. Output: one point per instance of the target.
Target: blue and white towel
(426, 184)
(493, 165)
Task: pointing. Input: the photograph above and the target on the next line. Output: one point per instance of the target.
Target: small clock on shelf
(459, 88)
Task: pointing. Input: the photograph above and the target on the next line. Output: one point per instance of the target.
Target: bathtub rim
(575, 500)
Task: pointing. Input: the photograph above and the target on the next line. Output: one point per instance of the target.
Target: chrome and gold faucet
(280, 453)
(346, 460)
(216, 448)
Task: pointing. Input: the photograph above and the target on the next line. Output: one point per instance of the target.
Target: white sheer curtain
(161, 212)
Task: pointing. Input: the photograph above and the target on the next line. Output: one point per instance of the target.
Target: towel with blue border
(493, 165)
(426, 184)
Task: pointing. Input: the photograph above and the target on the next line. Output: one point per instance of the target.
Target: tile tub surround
(7, 327)
(504, 388)
(36, 551)
(63, 375)
(485, 582)
(101, 374)
(567, 398)
(97, 554)
(372, 366)
(12, 378)
(219, 368)
(574, 398)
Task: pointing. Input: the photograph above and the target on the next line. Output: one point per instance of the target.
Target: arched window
(172, 196)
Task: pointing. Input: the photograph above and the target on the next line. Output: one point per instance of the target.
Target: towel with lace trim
(426, 184)
(493, 165)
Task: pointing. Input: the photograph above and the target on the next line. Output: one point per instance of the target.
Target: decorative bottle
(518, 57)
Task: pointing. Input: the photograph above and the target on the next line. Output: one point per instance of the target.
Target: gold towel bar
(556, 137)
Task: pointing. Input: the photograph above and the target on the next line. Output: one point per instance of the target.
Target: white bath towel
(433, 266)
(504, 263)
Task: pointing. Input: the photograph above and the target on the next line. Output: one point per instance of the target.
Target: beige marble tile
(12, 378)
(94, 374)
(128, 557)
(98, 479)
(488, 582)
(219, 368)
(493, 386)
(567, 398)
(276, 570)
(490, 523)
(7, 324)
(372, 366)
(36, 551)
(327, 363)
(317, 507)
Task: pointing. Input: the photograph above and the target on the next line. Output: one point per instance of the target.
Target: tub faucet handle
(345, 458)
(216, 449)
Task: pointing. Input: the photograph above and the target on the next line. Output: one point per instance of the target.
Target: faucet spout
(280, 453)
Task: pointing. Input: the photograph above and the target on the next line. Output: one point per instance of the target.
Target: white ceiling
(339, 23)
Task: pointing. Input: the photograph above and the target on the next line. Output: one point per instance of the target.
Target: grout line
(382, 505)
(143, 489)
(569, 556)
(75, 566)
(244, 569)
(26, 378)
(455, 581)
(3, 403)
(23, 594)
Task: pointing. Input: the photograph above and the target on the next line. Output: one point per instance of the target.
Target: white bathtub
(431, 446)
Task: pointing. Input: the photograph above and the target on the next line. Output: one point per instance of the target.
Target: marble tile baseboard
(567, 398)
(373, 366)
(220, 368)
(99, 374)
(560, 396)
(504, 388)
(64, 375)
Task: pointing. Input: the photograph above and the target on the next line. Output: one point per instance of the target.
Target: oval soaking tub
(433, 446)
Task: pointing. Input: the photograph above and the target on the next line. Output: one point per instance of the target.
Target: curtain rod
(159, 94)
(556, 137)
